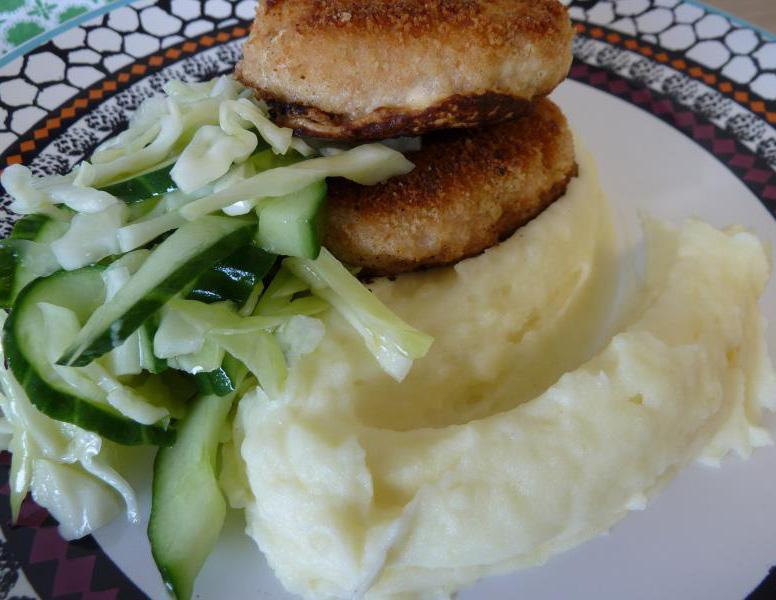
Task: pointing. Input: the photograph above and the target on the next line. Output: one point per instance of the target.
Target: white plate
(675, 137)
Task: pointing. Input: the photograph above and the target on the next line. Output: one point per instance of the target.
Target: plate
(677, 103)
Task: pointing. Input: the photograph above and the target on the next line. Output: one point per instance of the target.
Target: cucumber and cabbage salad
(154, 286)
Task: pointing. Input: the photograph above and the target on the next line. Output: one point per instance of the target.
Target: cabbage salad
(150, 289)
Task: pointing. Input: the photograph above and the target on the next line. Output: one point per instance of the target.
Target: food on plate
(151, 288)
(380, 68)
(206, 283)
(470, 188)
(476, 464)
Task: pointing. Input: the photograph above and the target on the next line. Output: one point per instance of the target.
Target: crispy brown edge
(456, 111)
(547, 198)
(453, 112)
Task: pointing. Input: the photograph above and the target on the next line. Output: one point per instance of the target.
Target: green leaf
(10, 5)
(22, 31)
(71, 12)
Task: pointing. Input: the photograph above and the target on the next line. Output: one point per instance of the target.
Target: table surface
(759, 12)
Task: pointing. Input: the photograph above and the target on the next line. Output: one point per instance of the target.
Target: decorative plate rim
(745, 164)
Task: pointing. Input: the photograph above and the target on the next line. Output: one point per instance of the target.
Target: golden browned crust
(350, 68)
(453, 112)
(469, 190)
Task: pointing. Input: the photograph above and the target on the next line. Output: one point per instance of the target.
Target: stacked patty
(471, 76)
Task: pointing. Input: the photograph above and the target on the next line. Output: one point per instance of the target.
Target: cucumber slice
(290, 225)
(148, 360)
(25, 344)
(224, 380)
(158, 181)
(187, 506)
(178, 260)
(38, 228)
(23, 256)
(234, 277)
(148, 184)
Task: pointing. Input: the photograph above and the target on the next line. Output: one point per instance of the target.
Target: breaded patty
(372, 69)
(470, 189)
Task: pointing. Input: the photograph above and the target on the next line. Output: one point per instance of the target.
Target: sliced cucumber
(177, 261)
(24, 257)
(25, 341)
(224, 380)
(158, 181)
(148, 360)
(38, 228)
(290, 225)
(234, 277)
(9, 268)
(146, 185)
(187, 506)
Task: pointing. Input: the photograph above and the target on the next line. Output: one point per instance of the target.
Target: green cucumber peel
(234, 277)
(78, 290)
(14, 273)
(187, 506)
(172, 266)
(148, 184)
(224, 380)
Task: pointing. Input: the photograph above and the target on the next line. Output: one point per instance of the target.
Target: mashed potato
(522, 433)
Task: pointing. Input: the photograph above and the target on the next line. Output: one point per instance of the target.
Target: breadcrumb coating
(368, 69)
(470, 189)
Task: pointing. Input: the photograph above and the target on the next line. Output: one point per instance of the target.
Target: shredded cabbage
(211, 131)
(208, 358)
(180, 121)
(6, 430)
(394, 343)
(81, 503)
(185, 323)
(215, 148)
(160, 219)
(158, 125)
(232, 112)
(170, 128)
(124, 359)
(281, 298)
(367, 164)
(210, 154)
(177, 336)
(191, 91)
(131, 261)
(35, 437)
(188, 327)
(142, 232)
(280, 291)
(260, 352)
(35, 260)
(124, 399)
(253, 299)
(63, 325)
(127, 358)
(90, 238)
(82, 199)
(143, 127)
(39, 195)
(236, 174)
(27, 199)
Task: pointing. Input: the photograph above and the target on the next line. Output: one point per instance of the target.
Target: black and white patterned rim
(708, 75)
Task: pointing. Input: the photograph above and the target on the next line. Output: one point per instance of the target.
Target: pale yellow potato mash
(530, 427)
